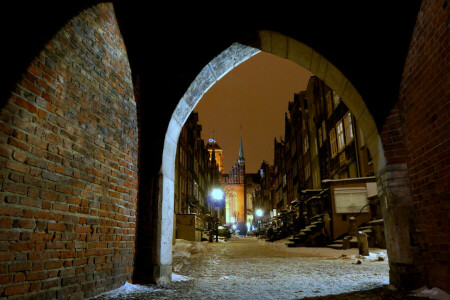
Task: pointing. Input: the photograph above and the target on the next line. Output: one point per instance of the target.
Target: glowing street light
(217, 194)
(259, 213)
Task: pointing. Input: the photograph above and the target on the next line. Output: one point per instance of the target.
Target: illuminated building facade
(239, 190)
(195, 173)
(213, 147)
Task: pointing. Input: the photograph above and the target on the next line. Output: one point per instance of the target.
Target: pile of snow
(434, 293)
(178, 277)
(126, 289)
(234, 237)
(373, 256)
(184, 249)
(379, 256)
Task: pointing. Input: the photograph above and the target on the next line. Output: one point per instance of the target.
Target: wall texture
(68, 161)
(424, 106)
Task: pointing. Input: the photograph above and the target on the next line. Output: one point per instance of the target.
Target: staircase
(311, 235)
(371, 228)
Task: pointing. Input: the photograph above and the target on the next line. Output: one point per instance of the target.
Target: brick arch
(230, 58)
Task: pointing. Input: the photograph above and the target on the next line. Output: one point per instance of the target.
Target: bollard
(346, 243)
(363, 244)
(353, 228)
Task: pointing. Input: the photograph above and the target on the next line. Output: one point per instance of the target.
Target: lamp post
(216, 195)
(259, 214)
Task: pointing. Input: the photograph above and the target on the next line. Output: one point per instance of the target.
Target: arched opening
(281, 46)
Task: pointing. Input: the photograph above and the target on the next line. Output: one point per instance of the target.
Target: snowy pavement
(248, 268)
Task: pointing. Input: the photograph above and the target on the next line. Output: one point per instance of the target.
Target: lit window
(348, 128)
(306, 144)
(340, 135)
(336, 99)
(333, 142)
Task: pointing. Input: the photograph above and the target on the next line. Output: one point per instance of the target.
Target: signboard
(350, 200)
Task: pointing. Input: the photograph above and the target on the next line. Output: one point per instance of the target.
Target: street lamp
(217, 195)
(259, 213)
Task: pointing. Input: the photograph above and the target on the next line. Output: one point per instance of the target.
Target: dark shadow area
(375, 294)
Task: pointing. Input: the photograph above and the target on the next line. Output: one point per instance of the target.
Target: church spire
(241, 150)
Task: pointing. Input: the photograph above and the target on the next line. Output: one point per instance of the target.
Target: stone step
(317, 223)
(335, 246)
(291, 245)
(376, 222)
(364, 228)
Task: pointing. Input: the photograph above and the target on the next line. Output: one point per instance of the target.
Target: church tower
(241, 163)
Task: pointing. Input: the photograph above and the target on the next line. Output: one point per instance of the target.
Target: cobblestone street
(248, 268)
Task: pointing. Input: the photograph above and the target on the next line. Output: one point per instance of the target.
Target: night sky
(254, 95)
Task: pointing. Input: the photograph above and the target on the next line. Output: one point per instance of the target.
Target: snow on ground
(125, 290)
(178, 277)
(250, 268)
(434, 293)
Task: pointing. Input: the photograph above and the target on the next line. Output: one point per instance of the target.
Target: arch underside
(230, 58)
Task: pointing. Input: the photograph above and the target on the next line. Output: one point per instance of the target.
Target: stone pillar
(346, 243)
(398, 214)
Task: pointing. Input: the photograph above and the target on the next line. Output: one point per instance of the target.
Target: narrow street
(248, 268)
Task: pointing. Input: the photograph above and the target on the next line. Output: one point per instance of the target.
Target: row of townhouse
(195, 176)
(322, 167)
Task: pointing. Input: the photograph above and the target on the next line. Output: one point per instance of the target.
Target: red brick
(24, 266)
(16, 289)
(56, 227)
(28, 106)
(53, 264)
(5, 150)
(17, 167)
(83, 229)
(5, 278)
(19, 277)
(11, 211)
(36, 276)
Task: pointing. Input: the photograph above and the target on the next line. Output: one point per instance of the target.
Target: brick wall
(68, 166)
(425, 112)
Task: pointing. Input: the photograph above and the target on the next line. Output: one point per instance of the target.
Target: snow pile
(181, 249)
(234, 237)
(380, 256)
(198, 247)
(184, 249)
(434, 293)
(178, 277)
(126, 289)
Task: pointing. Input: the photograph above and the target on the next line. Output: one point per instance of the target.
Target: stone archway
(237, 53)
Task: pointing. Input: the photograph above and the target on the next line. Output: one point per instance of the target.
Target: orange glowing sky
(254, 95)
